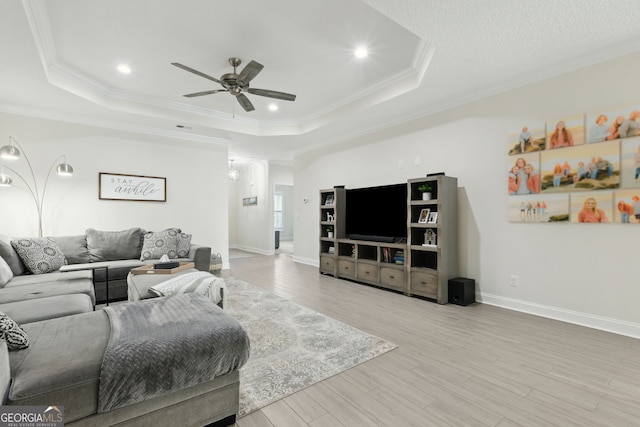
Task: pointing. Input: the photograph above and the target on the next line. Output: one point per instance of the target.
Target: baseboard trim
(596, 322)
(308, 261)
(254, 250)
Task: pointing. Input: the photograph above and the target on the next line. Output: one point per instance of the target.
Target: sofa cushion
(159, 243)
(74, 248)
(36, 310)
(5, 273)
(12, 333)
(114, 245)
(57, 277)
(39, 254)
(11, 256)
(20, 288)
(184, 245)
(62, 364)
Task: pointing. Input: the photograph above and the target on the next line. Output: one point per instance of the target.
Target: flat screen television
(377, 213)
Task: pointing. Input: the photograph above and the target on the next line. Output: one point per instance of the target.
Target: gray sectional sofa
(120, 251)
(68, 337)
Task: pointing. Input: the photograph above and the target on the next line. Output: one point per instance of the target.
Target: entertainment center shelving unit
(425, 270)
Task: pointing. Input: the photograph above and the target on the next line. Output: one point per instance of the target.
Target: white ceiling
(59, 61)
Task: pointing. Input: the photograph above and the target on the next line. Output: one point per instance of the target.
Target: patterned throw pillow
(39, 254)
(12, 333)
(184, 245)
(156, 244)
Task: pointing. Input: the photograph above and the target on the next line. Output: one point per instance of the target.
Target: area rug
(292, 347)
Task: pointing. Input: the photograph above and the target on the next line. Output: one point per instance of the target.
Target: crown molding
(80, 84)
(112, 125)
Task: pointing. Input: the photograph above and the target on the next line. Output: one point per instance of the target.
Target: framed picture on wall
(116, 186)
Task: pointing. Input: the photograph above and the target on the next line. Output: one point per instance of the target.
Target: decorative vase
(426, 196)
(330, 234)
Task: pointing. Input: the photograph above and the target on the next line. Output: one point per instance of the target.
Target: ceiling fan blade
(206, 92)
(196, 72)
(249, 72)
(272, 94)
(244, 101)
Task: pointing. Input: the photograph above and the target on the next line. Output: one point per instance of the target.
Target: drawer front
(346, 268)
(327, 264)
(424, 284)
(368, 272)
(392, 277)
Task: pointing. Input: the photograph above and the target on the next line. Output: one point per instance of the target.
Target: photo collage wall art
(576, 169)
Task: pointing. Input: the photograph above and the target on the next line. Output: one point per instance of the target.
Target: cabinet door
(424, 284)
(368, 272)
(346, 268)
(327, 264)
(392, 277)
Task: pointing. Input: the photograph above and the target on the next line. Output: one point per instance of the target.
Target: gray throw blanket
(164, 345)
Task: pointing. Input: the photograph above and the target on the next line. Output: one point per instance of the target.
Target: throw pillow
(5, 273)
(184, 245)
(12, 333)
(10, 256)
(39, 254)
(160, 243)
(74, 248)
(113, 245)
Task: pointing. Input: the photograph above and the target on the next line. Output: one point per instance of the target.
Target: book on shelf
(386, 255)
(399, 257)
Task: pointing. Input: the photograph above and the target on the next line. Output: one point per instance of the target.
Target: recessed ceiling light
(361, 52)
(124, 69)
(273, 107)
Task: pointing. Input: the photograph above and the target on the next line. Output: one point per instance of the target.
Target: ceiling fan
(238, 84)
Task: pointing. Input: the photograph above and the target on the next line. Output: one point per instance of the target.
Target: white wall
(581, 273)
(195, 202)
(253, 225)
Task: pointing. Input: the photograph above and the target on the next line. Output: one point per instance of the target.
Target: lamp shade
(5, 180)
(64, 169)
(10, 152)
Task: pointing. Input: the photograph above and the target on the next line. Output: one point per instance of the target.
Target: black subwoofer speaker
(462, 291)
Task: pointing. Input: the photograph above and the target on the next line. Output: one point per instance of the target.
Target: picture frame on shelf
(432, 218)
(424, 216)
(329, 200)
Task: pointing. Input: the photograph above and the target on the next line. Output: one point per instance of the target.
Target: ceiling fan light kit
(237, 84)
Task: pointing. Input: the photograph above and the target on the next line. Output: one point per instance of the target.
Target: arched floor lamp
(11, 152)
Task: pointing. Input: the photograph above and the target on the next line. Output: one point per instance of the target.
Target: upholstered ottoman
(140, 285)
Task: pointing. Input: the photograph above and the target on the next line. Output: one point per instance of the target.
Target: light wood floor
(454, 366)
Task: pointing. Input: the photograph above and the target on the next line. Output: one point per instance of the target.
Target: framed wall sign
(250, 201)
(115, 186)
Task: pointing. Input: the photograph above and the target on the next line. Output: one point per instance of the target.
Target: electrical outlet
(513, 281)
